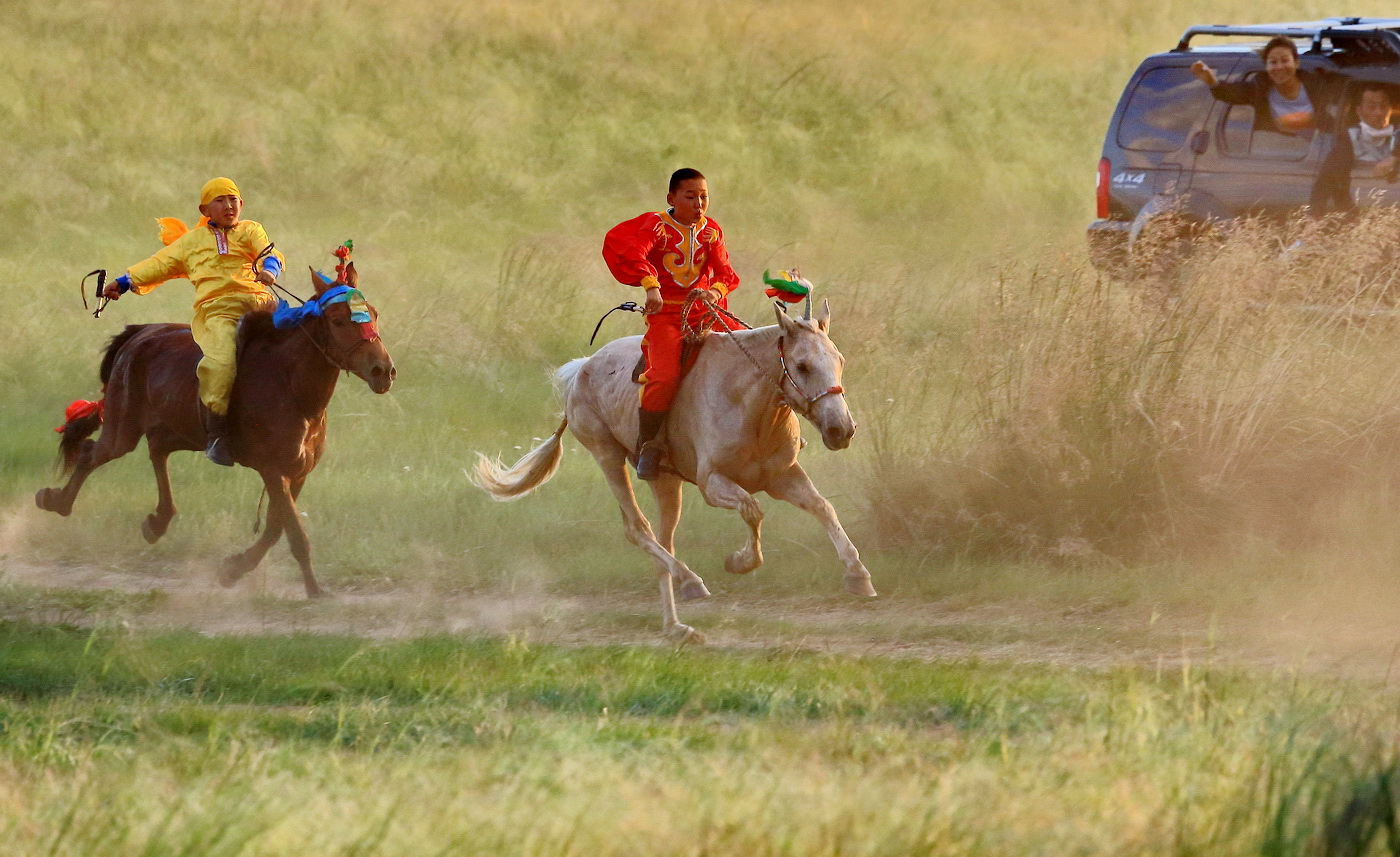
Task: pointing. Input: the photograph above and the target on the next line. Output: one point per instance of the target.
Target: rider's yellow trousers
(215, 329)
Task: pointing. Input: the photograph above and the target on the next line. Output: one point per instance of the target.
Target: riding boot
(650, 449)
(216, 438)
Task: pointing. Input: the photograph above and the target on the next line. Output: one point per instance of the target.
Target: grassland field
(1136, 558)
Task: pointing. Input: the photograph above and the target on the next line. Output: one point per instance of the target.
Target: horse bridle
(342, 364)
(717, 312)
(808, 401)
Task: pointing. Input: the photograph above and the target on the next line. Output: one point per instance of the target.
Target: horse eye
(802, 367)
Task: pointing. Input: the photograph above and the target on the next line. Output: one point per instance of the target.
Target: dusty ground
(1358, 639)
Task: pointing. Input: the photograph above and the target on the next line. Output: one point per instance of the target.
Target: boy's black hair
(1375, 86)
(684, 174)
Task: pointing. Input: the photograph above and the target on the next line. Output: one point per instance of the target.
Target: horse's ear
(784, 322)
(318, 285)
(824, 317)
(352, 277)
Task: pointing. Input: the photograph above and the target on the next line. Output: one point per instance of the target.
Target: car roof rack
(1377, 34)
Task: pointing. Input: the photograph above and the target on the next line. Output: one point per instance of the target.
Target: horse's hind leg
(797, 489)
(109, 446)
(158, 521)
(722, 492)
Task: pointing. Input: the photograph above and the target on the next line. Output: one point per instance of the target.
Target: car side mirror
(1200, 141)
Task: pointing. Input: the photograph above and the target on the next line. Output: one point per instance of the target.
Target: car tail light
(1102, 186)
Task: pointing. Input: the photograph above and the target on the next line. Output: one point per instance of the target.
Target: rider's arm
(167, 264)
(625, 250)
(257, 244)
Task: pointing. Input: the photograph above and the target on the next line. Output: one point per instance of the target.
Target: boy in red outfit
(669, 254)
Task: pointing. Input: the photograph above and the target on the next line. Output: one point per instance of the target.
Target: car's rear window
(1164, 105)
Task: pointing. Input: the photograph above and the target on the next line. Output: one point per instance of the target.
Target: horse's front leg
(239, 564)
(281, 503)
(724, 493)
(666, 488)
(796, 488)
(669, 570)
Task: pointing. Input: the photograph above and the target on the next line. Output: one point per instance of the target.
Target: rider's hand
(714, 296)
(266, 278)
(654, 303)
(1384, 168)
(1204, 73)
(112, 291)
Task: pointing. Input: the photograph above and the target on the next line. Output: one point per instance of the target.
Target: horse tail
(532, 470)
(75, 431)
(566, 375)
(105, 373)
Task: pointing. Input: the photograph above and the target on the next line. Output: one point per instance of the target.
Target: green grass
(930, 167)
(133, 744)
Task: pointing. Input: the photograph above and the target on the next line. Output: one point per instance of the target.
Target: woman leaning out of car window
(1284, 98)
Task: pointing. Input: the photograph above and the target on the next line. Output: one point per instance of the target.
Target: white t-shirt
(1280, 106)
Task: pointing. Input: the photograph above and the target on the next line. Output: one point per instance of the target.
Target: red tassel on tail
(79, 409)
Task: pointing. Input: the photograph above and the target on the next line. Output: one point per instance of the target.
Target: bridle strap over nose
(808, 401)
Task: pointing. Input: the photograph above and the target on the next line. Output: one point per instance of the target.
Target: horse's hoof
(316, 593)
(693, 590)
(231, 571)
(684, 635)
(43, 498)
(150, 533)
(859, 586)
(740, 563)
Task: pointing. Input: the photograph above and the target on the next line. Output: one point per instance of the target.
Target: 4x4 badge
(1127, 179)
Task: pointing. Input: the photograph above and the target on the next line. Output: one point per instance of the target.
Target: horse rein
(338, 364)
(714, 313)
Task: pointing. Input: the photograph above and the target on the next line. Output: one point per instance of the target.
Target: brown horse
(277, 413)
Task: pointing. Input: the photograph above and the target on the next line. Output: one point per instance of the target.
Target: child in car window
(1373, 138)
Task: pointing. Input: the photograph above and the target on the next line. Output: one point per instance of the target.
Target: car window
(1164, 105)
(1240, 139)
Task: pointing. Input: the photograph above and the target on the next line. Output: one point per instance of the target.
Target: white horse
(732, 431)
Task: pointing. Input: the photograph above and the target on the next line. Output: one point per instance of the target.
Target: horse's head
(352, 334)
(811, 381)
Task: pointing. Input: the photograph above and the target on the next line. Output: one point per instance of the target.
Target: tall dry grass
(1239, 397)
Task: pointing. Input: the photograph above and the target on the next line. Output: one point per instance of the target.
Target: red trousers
(662, 348)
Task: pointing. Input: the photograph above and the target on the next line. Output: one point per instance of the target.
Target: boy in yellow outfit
(231, 263)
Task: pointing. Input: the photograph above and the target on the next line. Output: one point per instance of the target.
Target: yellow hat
(215, 188)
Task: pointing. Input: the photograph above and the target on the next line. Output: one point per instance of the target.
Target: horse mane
(115, 345)
(256, 326)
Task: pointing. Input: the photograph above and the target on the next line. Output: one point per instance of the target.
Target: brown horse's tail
(532, 470)
(83, 418)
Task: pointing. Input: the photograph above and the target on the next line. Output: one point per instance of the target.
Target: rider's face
(223, 211)
(1281, 65)
(1375, 108)
(690, 199)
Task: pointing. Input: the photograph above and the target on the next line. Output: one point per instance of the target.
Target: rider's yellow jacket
(220, 262)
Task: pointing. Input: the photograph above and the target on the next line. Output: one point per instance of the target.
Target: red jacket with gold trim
(655, 250)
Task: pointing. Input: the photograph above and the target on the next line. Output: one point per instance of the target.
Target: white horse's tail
(534, 467)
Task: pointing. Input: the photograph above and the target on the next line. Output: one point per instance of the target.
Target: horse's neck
(751, 363)
(312, 375)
